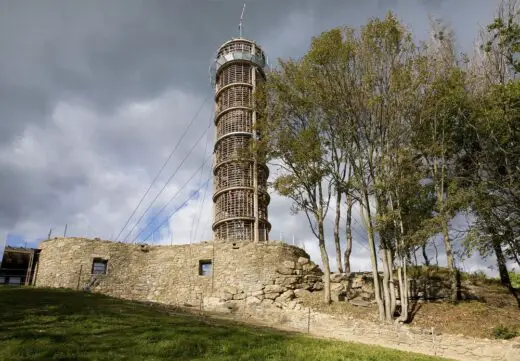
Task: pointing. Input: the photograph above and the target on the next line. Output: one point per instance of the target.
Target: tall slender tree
(292, 135)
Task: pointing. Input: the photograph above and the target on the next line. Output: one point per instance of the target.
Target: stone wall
(360, 286)
(242, 271)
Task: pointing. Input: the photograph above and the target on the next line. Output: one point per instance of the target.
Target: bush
(502, 332)
(478, 277)
(515, 279)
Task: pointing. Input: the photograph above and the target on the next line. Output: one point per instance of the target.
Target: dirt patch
(494, 306)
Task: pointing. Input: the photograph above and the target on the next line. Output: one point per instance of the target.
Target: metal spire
(241, 24)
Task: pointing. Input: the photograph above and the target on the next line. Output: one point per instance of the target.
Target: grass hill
(486, 311)
(45, 324)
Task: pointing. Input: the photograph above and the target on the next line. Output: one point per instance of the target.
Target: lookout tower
(240, 195)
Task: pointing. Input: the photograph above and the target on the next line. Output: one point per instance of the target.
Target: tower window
(99, 266)
(205, 267)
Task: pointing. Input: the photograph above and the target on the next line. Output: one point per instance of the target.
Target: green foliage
(425, 136)
(44, 324)
(515, 279)
(503, 332)
(505, 35)
(478, 277)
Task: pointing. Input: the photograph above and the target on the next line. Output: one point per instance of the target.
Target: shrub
(503, 332)
(515, 279)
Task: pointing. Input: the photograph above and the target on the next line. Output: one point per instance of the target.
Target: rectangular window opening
(205, 267)
(15, 280)
(99, 266)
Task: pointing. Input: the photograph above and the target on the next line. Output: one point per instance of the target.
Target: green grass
(45, 324)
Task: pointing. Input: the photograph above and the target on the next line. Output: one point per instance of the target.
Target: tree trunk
(406, 289)
(386, 285)
(373, 258)
(454, 295)
(348, 227)
(436, 253)
(426, 260)
(501, 262)
(336, 231)
(502, 269)
(403, 294)
(325, 261)
(393, 298)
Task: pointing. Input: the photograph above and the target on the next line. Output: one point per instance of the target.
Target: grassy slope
(43, 324)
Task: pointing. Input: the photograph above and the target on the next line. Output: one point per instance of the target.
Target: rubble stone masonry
(171, 274)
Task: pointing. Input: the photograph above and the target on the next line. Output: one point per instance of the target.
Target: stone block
(239, 296)
(212, 302)
(302, 286)
(337, 287)
(338, 277)
(273, 289)
(286, 296)
(310, 267)
(288, 281)
(284, 270)
(367, 288)
(257, 293)
(301, 293)
(251, 300)
(318, 286)
(312, 278)
(272, 295)
(303, 260)
(225, 296)
(288, 264)
(291, 305)
(366, 296)
(257, 287)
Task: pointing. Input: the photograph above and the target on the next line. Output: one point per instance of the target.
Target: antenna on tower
(241, 24)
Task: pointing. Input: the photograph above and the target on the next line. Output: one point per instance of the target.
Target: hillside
(44, 324)
(485, 307)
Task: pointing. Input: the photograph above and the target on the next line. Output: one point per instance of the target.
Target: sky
(94, 95)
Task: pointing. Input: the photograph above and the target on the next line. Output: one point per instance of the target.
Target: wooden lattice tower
(240, 195)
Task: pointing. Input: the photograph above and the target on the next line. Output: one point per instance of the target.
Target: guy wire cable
(169, 179)
(175, 210)
(175, 195)
(192, 230)
(163, 166)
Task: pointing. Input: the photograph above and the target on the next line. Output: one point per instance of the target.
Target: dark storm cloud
(94, 94)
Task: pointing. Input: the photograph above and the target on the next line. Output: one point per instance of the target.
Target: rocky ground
(487, 305)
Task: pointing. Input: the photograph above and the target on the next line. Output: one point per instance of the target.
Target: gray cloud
(94, 95)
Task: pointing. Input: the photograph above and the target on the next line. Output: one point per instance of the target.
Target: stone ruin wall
(271, 272)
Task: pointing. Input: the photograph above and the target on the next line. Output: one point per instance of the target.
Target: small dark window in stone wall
(205, 267)
(99, 266)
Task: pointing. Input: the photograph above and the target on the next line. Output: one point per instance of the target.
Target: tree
(292, 136)
(492, 160)
(438, 131)
(363, 86)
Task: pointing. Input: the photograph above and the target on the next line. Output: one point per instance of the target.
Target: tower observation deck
(240, 197)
